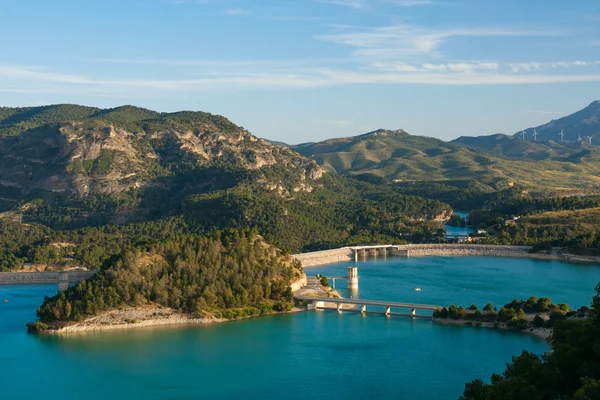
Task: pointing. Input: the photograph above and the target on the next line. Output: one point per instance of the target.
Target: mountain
(387, 153)
(583, 123)
(102, 180)
(515, 147)
(496, 161)
(81, 150)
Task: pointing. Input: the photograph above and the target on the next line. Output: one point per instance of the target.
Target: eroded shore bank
(133, 317)
(449, 250)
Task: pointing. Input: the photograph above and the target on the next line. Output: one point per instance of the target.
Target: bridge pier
(363, 310)
(387, 311)
(339, 308)
(413, 313)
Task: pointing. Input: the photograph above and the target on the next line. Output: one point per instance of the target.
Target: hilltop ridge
(77, 149)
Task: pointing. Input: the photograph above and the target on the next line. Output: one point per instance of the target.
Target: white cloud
(397, 40)
(464, 73)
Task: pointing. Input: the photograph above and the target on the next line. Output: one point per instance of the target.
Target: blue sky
(307, 70)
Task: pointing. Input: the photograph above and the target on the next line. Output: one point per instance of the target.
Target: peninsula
(191, 279)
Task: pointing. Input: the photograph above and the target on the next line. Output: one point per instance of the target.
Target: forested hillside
(79, 184)
(547, 166)
(570, 371)
(229, 274)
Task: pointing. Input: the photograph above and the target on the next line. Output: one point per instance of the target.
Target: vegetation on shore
(230, 274)
(570, 371)
(343, 212)
(520, 314)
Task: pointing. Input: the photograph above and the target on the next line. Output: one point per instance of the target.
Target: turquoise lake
(296, 356)
(459, 230)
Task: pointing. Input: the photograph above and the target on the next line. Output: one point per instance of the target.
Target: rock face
(80, 150)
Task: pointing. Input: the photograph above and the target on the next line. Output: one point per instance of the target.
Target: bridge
(319, 303)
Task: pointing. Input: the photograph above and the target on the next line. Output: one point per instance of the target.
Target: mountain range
(582, 124)
(546, 167)
(69, 167)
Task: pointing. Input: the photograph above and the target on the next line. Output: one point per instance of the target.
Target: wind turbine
(523, 134)
(562, 135)
(589, 138)
(534, 134)
(579, 139)
(489, 130)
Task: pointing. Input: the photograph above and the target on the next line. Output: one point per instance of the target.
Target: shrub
(36, 327)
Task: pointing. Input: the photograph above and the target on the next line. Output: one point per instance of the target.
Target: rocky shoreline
(541, 333)
(142, 317)
(131, 318)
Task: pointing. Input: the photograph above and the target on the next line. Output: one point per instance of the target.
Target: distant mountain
(583, 123)
(498, 161)
(514, 147)
(276, 143)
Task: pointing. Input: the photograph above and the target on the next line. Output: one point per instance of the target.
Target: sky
(308, 70)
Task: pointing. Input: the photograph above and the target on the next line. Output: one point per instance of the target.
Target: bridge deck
(357, 311)
(373, 303)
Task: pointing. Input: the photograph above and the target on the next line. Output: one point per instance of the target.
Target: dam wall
(422, 250)
(19, 278)
(346, 254)
(325, 257)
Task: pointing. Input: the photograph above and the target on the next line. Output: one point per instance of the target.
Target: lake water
(311, 355)
(459, 230)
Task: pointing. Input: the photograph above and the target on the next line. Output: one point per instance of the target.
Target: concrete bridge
(319, 303)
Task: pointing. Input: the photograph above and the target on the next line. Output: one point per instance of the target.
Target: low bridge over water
(320, 303)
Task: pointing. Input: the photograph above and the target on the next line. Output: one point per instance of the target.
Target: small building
(481, 231)
(476, 238)
(510, 222)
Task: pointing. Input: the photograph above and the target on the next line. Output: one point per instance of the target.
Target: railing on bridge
(320, 303)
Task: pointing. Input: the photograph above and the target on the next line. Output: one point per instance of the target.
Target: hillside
(496, 162)
(229, 275)
(80, 150)
(514, 147)
(79, 185)
(585, 122)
